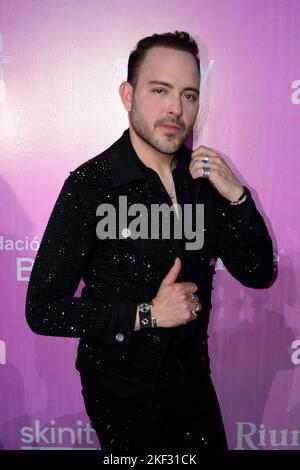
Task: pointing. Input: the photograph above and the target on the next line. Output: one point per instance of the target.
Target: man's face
(166, 94)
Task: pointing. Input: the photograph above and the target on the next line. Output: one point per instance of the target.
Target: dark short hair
(179, 40)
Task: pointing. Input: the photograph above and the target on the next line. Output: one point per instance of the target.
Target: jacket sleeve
(61, 261)
(244, 244)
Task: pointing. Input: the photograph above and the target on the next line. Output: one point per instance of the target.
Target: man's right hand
(173, 303)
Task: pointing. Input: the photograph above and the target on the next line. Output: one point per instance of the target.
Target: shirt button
(156, 339)
(120, 337)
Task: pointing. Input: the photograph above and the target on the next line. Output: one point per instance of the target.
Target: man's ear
(125, 91)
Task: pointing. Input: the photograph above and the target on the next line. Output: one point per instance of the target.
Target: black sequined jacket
(118, 273)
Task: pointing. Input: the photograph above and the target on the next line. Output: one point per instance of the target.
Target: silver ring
(195, 310)
(205, 159)
(205, 172)
(194, 314)
(195, 297)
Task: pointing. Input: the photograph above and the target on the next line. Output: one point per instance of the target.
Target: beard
(167, 142)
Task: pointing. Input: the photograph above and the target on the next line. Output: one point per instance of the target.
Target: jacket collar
(127, 166)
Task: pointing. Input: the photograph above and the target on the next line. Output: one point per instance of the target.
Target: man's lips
(171, 126)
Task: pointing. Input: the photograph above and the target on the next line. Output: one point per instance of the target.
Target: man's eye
(190, 97)
(159, 91)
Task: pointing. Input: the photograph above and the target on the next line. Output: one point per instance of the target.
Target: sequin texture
(119, 273)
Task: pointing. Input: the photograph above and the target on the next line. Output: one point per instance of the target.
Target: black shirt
(119, 273)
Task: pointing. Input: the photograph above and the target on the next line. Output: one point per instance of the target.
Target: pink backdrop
(61, 62)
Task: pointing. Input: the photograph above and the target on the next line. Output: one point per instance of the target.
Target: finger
(202, 150)
(199, 164)
(194, 315)
(200, 161)
(171, 277)
(198, 307)
(189, 286)
(190, 297)
(195, 311)
(195, 305)
(194, 298)
(199, 173)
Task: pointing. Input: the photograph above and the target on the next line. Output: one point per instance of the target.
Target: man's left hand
(220, 175)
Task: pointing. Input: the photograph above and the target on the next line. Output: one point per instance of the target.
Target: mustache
(171, 121)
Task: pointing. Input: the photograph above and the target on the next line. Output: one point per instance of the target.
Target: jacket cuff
(122, 323)
(242, 212)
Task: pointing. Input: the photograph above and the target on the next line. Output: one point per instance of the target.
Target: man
(143, 314)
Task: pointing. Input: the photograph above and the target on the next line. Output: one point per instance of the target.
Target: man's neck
(162, 163)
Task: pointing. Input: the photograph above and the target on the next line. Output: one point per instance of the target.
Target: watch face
(144, 307)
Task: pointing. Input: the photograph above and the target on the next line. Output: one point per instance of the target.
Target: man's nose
(175, 106)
